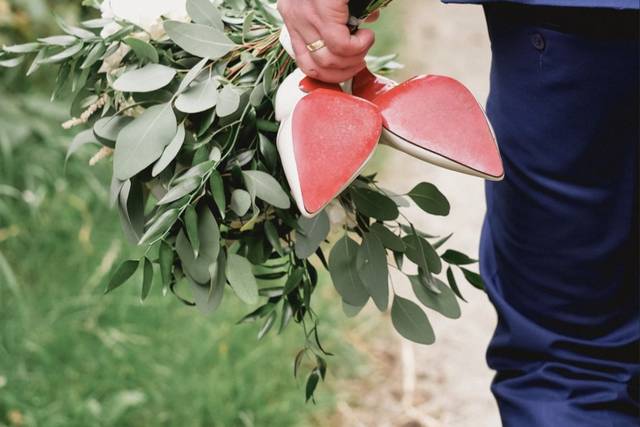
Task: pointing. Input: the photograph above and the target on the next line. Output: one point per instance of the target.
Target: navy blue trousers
(559, 246)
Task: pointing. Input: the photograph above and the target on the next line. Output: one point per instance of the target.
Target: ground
(446, 384)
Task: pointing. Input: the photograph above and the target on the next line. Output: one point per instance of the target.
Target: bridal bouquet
(178, 95)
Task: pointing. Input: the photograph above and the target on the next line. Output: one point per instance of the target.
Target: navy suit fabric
(559, 245)
(615, 4)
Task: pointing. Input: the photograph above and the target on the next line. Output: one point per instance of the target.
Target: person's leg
(559, 248)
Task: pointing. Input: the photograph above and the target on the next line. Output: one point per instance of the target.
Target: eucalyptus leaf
(266, 188)
(83, 138)
(22, 48)
(149, 78)
(61, 56)
(351, 310)
(374, 204)
(159, 226)
(107, 129)
(147, 278)
(371, 262)
(241, 278)
(453, 284)
(473, 278)
(198, 97)
(430, 199)
(143, 50)
(170, 152)
(209, 236)
(63, 41)
(192, 74)
(444, 302)
(205, 13)
(216, 185)
(228, 101)
(122, 274)
(311, 232)
(165, 259)
(11, 63)
(411, 322)
(344, 274)
(199, 40)
(388, 238)
(191, 225)
(457, 258)
(420, 251)
(142, 141)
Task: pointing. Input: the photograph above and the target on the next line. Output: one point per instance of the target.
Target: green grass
(70, 356)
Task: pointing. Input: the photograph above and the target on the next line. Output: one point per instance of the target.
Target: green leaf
(265, 187)
(441, 241)
(131, 209)
(205, 13)
(351, 310)
(430, 199)
(22, 48)
(180, 190)
(228, 101)
(122, 274)
(374, 204)
(143, 50)
(209, 236)
(420, 251)
(268, 323)
(208, 298)
(312, 383)
(311, 232)
(146, 79)
(170, 152)
(473, 278)
(199, 40)
(83, 138)
(273, 237)
(457, 258)
(268, 151)
(241, 278)
(344, 273)
(217, 190)
(159, 226)
(147, 279)
(411, 322)
(371, 262)
(192, 75)
(198, 97)
(11, 63)
(142, 141)
(61, 56)
(293, 280)
(444, 302)
(388, 238)
(63, 41)
(240, 202)
(454, 285)
(191, 225)
(165, 258)
(107, 129)
(93, 56)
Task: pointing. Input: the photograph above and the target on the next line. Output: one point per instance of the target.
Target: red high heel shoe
(325, 139)
(436, 119)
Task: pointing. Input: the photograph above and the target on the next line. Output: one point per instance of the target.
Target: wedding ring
(316, 45)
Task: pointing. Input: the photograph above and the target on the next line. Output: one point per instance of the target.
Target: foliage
(188, 118)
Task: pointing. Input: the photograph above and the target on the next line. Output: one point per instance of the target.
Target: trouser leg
(559, 248)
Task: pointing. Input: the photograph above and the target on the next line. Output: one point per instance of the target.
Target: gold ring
(316, 45)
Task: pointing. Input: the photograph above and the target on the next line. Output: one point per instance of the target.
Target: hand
(312, 20)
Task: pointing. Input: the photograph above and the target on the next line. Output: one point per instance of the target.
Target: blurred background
(70, 356)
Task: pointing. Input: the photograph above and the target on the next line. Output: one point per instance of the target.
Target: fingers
(312, 20)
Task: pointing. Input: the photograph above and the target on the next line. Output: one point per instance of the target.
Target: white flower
(146, 14)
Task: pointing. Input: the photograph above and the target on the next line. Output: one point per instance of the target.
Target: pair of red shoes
(328, 132)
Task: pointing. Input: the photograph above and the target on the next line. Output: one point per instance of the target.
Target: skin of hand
(312, 20)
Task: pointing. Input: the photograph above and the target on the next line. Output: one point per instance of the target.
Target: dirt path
(446, 384)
